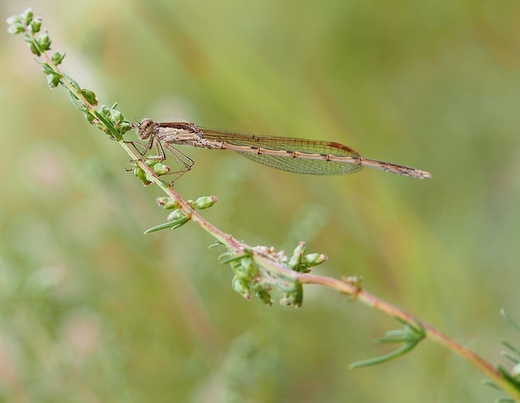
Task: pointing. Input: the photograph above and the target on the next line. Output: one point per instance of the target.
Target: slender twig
(256, 268)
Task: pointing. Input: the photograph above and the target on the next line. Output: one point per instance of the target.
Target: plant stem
(347, 286)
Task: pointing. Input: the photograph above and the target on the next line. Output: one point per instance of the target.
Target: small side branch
(257, 269)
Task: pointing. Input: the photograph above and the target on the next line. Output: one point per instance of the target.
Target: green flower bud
(141, 175)
(44, 41)
(259, 284)
(265, 297)
(57, 58)
(241, 286)
(15, 28)
(27, 16)
(89, 96)
(124, 127)
(239, 272)
(515, 371)
(245, 269)
(175, 215)
(35, 25)
(313, 259)
(89, 117)
(100, 125)
(115, 116)
(204, 202)
(103, 110)
(293, 298)
(14, 19)
(296, 259)
(249, 267)
(151, 162)
(53, 80)
(161, 169)
(167, 202)
(34, 49)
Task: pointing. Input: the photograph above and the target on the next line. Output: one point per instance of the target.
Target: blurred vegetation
(93, 310)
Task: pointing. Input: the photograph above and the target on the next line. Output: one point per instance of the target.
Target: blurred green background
(92, 310)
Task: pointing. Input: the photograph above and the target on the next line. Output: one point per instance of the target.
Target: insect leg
(183, 160)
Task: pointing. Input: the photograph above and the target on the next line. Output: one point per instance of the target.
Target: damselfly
(301, 156)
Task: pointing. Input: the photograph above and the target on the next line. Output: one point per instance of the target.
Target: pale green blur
(93, 310)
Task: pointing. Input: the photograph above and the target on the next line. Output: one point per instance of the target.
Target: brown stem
(348, 287)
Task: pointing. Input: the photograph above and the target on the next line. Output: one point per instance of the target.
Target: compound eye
(145, 123)
(145, 128)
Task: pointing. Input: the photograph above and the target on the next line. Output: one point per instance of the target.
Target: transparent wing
(299, 165)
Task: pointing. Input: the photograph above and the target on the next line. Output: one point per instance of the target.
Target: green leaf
(411, 336)
(216, 244)
(46, 68)
(513, 324)
(173, 225)
(231, 258)
(383, 358)
(105, 125)
(76, 102)
(72, 82)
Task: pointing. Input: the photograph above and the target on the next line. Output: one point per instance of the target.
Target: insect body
(315, 157)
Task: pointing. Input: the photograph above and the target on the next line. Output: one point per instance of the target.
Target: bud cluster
(303, 263)
(247, 279)
(110, 120)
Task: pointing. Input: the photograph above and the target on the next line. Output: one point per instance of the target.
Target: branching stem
(112, 123)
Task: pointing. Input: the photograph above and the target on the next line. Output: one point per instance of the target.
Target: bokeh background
(92, 310)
